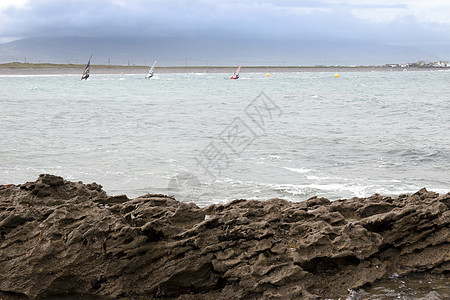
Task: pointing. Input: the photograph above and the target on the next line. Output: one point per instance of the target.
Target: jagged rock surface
(63, 238)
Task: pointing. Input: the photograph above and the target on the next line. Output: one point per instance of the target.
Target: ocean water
(207, 139)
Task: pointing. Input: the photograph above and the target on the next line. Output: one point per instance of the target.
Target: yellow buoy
(121, 73)
(336, 75)
(268, 75)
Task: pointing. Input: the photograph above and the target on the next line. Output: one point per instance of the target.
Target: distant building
(441, 64)
(435, 64)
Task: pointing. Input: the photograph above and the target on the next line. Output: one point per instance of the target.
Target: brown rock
(61, 238)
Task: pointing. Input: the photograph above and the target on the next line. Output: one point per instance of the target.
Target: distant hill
(207, 51)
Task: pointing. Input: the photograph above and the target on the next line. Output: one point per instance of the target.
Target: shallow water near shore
(411, 287)
(208, 139)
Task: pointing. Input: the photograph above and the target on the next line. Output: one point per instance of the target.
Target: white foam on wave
(330, 190)
(437, 190)
(312, 177)
(298, 170)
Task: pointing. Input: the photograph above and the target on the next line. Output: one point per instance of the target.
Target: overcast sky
(385, 21)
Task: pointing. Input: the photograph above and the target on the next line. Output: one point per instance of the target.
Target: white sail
(150, 72)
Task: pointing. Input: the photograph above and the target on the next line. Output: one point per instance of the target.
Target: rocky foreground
(62, 238)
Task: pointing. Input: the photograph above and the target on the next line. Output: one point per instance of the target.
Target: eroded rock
(63, 238)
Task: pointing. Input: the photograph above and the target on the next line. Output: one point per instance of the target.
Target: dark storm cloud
(384, 21)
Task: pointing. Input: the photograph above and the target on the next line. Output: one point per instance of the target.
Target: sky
(395, 22)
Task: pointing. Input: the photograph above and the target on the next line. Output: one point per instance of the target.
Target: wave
(298, 170)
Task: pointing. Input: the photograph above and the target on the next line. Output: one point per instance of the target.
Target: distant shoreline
(58, 69)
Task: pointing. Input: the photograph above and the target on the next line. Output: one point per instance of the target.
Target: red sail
(236, 73)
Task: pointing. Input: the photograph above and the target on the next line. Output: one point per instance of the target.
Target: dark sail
(86, 70)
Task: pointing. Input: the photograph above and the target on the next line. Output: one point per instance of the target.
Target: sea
(207, 139)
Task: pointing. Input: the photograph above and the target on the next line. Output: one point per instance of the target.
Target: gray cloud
(256, 19)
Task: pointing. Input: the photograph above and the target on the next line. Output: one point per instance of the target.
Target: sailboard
(150, 72)
(236, 73)
(86, 70)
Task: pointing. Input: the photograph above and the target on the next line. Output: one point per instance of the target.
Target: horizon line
(18, 64)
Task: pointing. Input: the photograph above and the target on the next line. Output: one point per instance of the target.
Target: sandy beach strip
(59, 69)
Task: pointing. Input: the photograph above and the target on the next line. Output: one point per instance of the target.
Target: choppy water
(209, 139)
